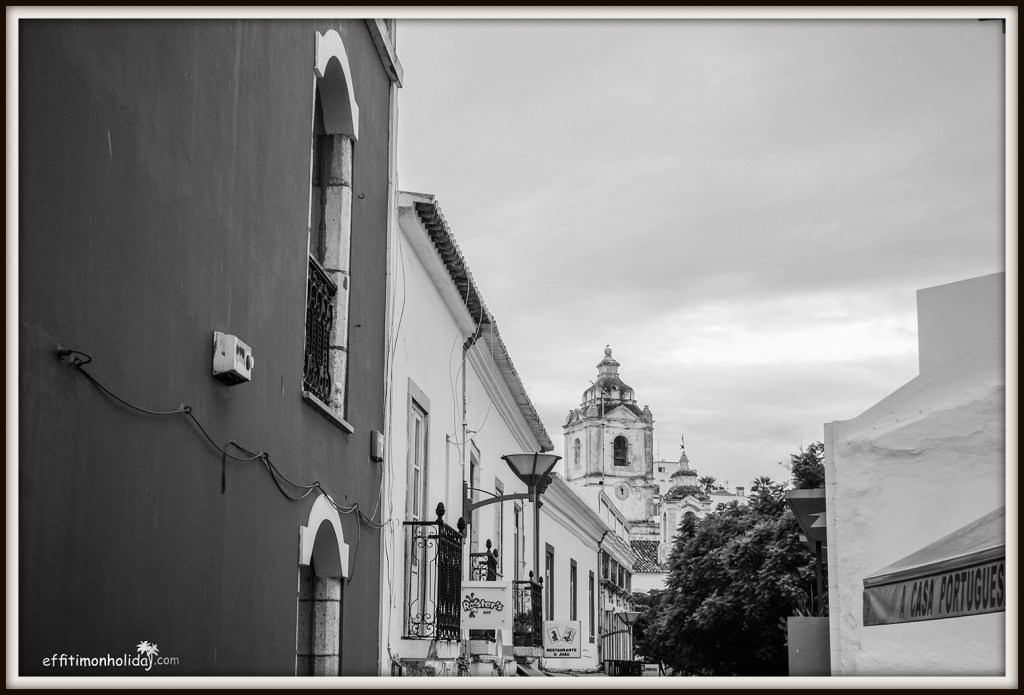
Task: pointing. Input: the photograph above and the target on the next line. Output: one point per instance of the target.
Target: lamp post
(629, 618)
(533, 469)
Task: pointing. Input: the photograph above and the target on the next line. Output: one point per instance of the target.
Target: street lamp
(629, 618)
(533, 469)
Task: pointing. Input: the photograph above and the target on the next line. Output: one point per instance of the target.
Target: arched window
(335, 128)
(576, 454)
(323, 562)
(620, 448)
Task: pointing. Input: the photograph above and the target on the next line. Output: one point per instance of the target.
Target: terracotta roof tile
(646, 556)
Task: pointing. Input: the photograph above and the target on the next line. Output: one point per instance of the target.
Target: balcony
(433, 577)
(483, 566)
(528, 618)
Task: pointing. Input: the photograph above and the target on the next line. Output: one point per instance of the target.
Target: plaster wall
(164, 193)
(956, 318)
(644, 582)
(890, 491)
(573, 532)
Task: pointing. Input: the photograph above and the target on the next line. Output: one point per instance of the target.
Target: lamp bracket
(614, 632)
(470, 505)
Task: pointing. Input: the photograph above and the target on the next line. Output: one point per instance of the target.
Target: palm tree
(761, 482)
(708, 481)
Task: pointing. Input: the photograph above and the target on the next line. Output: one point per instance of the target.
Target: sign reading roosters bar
(486, 605)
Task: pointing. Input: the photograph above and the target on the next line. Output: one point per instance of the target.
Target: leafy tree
(733, 578)
(645, 634)
(808, 467)
(761, 482)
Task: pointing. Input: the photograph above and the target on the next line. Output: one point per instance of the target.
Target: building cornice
(573, 512)
(425, 208)
(382, 31)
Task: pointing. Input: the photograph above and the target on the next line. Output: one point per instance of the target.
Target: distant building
(609, 454)
(915, 493)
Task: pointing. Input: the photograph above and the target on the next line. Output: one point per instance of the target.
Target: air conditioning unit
(232, 359)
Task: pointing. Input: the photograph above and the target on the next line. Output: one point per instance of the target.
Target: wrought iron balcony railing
(621, 667)
(433, 578)
(529, 618)
(316, 377)
(483, 566)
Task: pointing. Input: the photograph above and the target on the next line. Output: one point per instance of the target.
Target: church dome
(684, 473)
(684, 490)
(609, 390)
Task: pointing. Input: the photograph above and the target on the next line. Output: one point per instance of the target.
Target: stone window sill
(327, 412)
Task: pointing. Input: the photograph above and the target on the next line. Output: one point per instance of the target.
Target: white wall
(573, 530)
(429, 328)
(644, 582)
(920, 464)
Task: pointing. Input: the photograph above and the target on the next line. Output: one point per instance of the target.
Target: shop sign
(974, 590)
(486, 605)
(652, 669)
(562, 639)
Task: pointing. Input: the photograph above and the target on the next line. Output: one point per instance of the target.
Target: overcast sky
(743, 210)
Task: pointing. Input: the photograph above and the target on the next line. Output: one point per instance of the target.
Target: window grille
(319, 322)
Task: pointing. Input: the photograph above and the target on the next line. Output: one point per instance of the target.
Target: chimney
(739, 492)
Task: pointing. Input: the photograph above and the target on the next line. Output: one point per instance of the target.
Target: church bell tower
(609, 440)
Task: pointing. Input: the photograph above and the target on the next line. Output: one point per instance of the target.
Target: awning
(963, 573)
(809, 509)
(525, 670)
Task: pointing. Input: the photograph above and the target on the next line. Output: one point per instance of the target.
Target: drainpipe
(470, 341)
(600, 609)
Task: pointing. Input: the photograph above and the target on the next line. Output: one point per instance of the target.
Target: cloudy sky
(742, 209)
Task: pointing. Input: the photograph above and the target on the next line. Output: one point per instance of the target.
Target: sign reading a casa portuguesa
(970, 591)
(961, 574)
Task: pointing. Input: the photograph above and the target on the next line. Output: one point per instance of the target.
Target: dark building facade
(179, 178)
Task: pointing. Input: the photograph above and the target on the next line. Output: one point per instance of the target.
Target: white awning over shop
(961, 574)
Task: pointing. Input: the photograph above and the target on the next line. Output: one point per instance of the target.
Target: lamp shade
(629, 617)
(531, 468)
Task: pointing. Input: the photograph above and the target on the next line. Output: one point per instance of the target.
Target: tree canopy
(734, 577)
(708, 481)
(808, 467)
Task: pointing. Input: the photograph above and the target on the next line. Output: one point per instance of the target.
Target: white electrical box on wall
(232, 359)
(377, 446)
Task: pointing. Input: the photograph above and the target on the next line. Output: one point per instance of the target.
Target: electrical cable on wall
(79, 359)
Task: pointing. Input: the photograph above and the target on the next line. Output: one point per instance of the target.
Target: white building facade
(572, 535)
(455, 406)
(915, 491)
